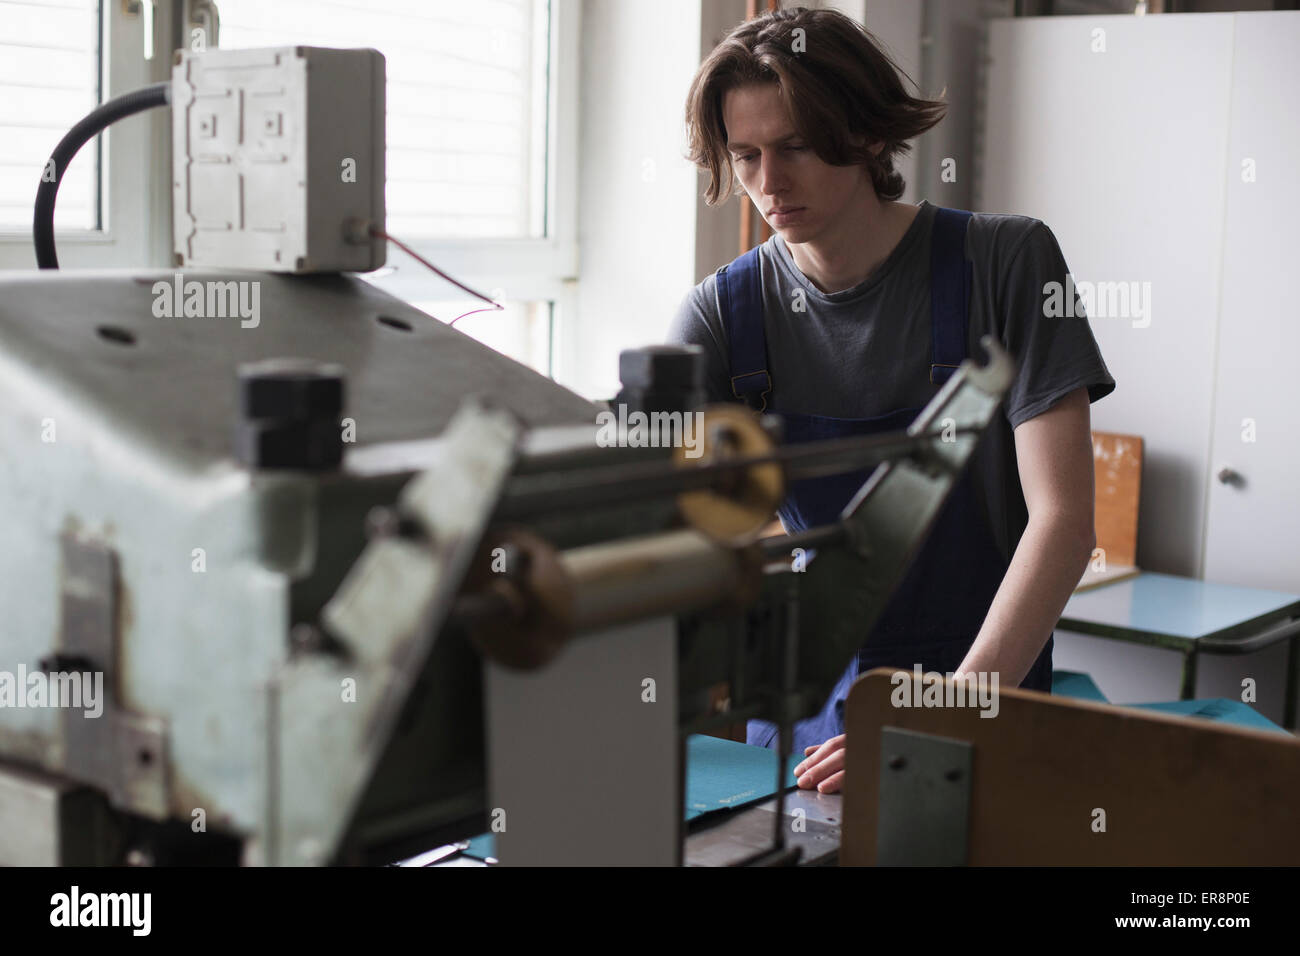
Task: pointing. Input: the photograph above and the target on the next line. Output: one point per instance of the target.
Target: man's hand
(823, 766)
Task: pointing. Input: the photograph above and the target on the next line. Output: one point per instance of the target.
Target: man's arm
(1054, 456)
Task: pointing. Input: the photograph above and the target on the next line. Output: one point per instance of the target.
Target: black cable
(137, 101)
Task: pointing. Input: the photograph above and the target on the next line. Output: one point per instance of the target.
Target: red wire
(496, 306)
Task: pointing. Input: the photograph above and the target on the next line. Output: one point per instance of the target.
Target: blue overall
(934, 616)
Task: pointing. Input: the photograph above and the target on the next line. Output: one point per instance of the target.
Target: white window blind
(466, 95)
(49, 79)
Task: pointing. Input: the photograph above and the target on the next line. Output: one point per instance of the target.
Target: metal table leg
(1188, 690)
(1292, 679)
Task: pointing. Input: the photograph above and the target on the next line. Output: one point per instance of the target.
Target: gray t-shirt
(866, 351)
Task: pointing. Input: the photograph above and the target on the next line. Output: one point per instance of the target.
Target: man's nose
(772, 178)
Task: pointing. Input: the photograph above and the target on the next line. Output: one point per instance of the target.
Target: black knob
(290, 413)
(665, 378)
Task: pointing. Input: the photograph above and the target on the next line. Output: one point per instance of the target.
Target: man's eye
(796, 149)
(744, 159)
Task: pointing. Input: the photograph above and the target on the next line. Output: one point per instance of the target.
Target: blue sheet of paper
(1218, 709)
(1076, 684)
(724, 774)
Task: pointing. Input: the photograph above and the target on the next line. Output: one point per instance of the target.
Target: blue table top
(1163, 604)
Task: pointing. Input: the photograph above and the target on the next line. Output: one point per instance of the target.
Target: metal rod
(789, 661)
(581, 489)
(782, 544)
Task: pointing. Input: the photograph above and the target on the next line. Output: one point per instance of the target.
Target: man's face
(780, 171)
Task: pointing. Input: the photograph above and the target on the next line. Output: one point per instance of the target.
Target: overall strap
(950, 283)
(740, 299)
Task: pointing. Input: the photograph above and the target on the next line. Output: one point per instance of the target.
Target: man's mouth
(785, 213)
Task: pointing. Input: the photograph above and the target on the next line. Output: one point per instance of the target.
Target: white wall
(717, 228)
(898, 25)
(636, 206)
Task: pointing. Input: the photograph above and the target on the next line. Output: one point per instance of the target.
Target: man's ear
(875, 150)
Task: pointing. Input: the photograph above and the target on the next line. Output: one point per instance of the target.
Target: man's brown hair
(842, 91)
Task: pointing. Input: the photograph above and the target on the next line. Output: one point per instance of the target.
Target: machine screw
(382, 522)
(305, 638)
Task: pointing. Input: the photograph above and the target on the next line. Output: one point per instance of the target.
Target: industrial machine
(330, 582)
(300, 636)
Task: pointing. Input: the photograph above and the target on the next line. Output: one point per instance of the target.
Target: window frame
(543, 269)
(135, 168)
(533, 269)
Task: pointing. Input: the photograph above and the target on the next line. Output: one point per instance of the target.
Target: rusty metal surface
(174, 388)
(122, 753)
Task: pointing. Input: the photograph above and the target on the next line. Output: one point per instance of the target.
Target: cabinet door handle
(1230, 476)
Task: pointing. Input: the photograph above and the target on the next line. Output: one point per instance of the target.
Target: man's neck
(850, 251)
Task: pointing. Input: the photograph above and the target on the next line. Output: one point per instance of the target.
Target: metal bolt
(305, 638)
(289, 414)
(662, 367)
(383, 522)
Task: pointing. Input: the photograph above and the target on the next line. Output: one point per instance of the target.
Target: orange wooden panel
(1117, 462)
(1176, 791)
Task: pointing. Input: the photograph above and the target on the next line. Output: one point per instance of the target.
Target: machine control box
(278, 159)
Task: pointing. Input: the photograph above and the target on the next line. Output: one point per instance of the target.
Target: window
(474, 149)
(49, 79)
(466, 101)
(58, 60)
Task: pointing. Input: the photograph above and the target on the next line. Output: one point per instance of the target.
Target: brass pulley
(734, 511)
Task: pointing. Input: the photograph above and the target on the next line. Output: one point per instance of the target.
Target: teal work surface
(1218, 709)
(1076, 684)
(1163, 605)
(720, 775)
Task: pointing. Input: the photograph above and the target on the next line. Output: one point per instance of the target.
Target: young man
(851, 316)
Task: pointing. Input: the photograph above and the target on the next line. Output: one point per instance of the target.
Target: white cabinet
(1126, 136)
(1252, 533)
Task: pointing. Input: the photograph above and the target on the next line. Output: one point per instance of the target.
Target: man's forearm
(1047, 565)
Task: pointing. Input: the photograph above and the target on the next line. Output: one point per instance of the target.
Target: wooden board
(1117, 464)
(1176, 791)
